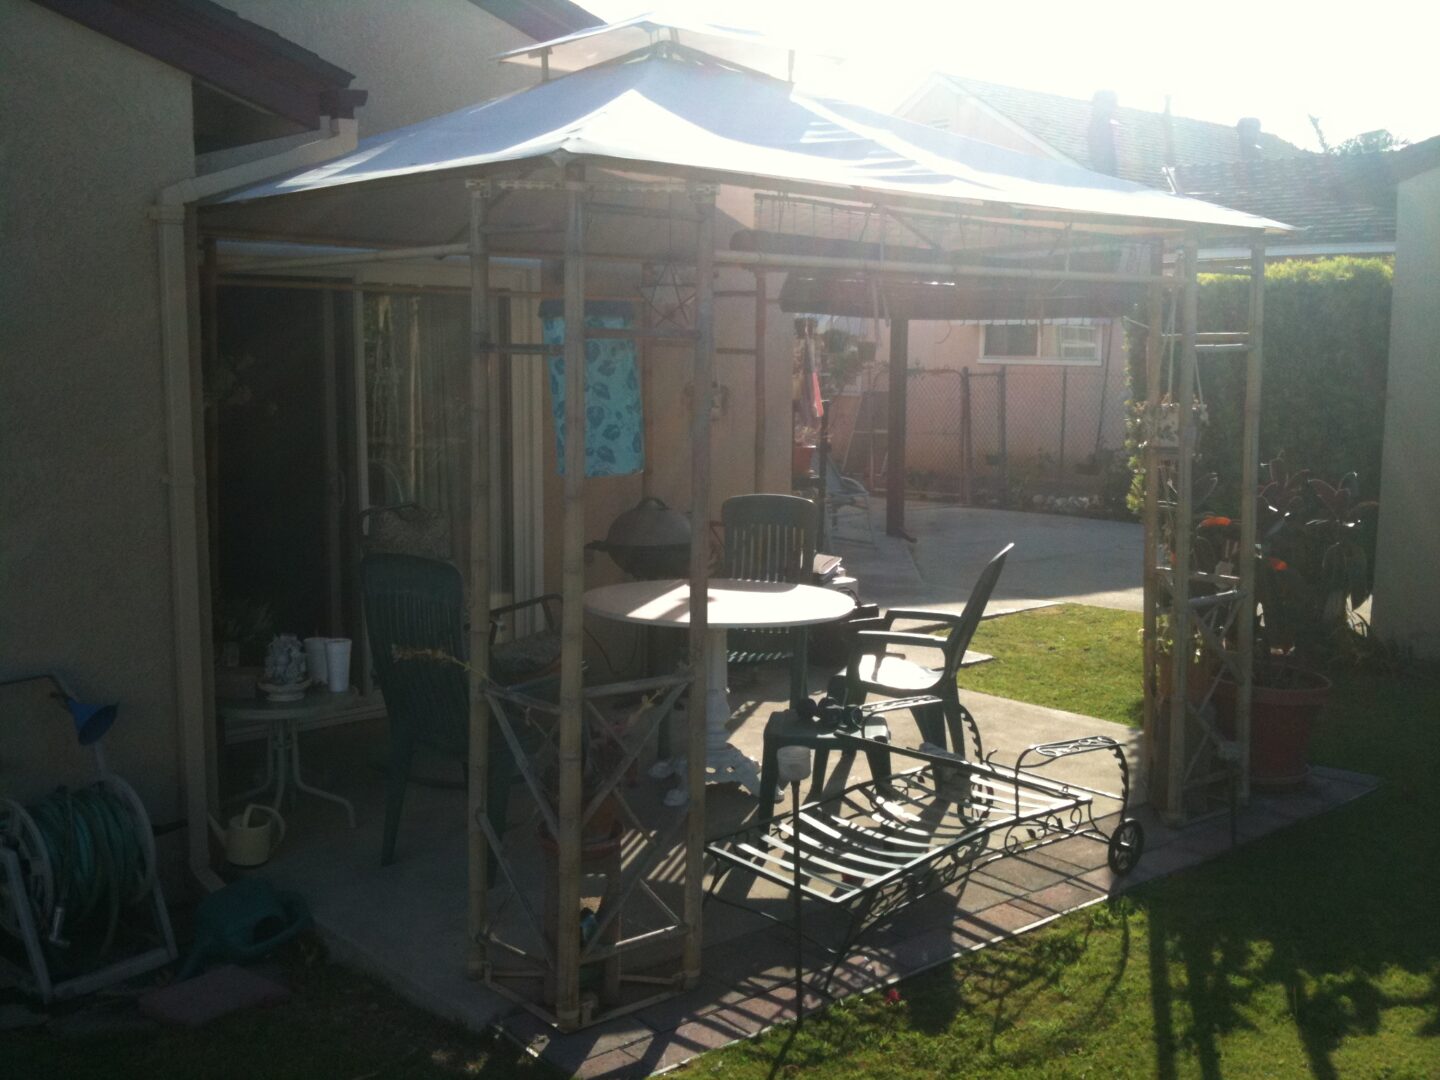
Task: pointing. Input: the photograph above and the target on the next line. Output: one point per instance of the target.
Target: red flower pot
(1281, 720)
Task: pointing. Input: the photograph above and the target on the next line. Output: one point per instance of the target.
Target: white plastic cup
(337, 663)
(315, 658)
(793, 763)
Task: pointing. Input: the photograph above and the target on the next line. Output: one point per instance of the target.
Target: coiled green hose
(97, 860)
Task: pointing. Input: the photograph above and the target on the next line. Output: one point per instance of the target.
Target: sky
(1357, 67)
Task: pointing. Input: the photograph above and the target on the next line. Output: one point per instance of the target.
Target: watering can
(244, 922)
(247, 842)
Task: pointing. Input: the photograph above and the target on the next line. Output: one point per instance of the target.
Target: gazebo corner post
(1184, 513)
(1150, 512)
(478, 848)
(895, 440)
(570, 764)
(1249, 483)
(704, 200)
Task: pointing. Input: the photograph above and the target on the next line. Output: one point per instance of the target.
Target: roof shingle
(1140, 139)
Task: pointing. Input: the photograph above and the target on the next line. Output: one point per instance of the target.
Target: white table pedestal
(724, 763)
(731, 604)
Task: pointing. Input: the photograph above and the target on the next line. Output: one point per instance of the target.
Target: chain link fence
(1045, 437)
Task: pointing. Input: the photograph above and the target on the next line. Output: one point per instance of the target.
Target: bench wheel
(1127, 844)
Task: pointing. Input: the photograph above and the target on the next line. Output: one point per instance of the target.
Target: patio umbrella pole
(704, 199)
(479, 644)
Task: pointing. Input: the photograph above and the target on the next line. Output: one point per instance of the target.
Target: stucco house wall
(84, 533)
(1408, 548)
(416, 60)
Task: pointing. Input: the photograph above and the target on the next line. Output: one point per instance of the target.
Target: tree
(1369, 142)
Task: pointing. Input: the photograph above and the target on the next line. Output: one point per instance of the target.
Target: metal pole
(567, 932)
(822, 465)
(762, 303)
(330, 423)
(1064, 408)
(1184, 512)
(798, 900)
(967, 446)
(479, 644)
(1004, 447)
(895, 439)
(1150, 513)
(1249, 481)
(699, 577)
(644, 355)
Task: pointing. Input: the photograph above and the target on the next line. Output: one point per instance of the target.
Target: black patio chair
(874, 670)
(769, 538)
(416, 619)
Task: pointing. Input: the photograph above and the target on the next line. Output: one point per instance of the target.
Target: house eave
(219, 48)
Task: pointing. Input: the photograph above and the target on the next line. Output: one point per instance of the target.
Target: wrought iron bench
(879, 846)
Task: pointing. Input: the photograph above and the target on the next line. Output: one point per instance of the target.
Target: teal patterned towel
(614, 422)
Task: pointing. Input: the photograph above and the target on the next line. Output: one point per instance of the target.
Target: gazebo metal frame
(584, 190)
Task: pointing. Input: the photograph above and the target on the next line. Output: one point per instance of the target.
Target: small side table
(282, 739)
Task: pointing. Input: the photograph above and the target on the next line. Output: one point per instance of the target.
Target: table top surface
(732, 603)
(318, 701)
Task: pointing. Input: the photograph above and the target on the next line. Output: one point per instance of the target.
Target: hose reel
(78, 875)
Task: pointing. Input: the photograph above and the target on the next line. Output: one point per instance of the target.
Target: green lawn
(1084, 659)
(1312, 953)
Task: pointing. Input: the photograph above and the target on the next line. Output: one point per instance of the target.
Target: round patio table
(731, 605)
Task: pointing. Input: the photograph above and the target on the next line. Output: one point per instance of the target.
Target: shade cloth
(689, 113)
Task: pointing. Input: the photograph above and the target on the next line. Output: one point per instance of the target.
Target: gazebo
(652, 158)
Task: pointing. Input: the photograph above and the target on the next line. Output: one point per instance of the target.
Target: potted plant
(1312, 572)
(286, 676)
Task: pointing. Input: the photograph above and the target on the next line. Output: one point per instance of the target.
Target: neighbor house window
(1078, 344)
(1012, 340)
(1018, 342)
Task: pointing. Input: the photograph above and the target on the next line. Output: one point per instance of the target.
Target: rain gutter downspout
(189, 596)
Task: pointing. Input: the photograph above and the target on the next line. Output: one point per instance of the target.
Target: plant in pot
(1311, 574)
(602, 832)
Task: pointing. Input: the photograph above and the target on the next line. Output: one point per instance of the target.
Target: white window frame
(1051, 351)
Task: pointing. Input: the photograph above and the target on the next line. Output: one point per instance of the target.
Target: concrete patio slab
(1057, 559)
(406, 922)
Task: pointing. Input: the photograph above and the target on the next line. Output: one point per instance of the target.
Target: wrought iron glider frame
(882, 845)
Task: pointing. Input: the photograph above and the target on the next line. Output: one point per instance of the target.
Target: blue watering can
(244, 922)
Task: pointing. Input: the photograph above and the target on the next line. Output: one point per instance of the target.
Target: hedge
(1327, 342)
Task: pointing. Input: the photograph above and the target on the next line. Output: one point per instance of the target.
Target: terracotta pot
(603, 835)
(1197, 679)
(1281, 721)
(802, 459)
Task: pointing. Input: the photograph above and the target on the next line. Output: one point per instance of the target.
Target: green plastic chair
(872, 669)
(415, 604)
(769, 538)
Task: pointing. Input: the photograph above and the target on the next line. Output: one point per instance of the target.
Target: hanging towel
(614, 420)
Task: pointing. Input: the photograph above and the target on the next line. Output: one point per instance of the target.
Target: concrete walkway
(1056, 559)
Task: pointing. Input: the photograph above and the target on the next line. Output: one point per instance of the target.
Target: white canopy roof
(678, 112)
